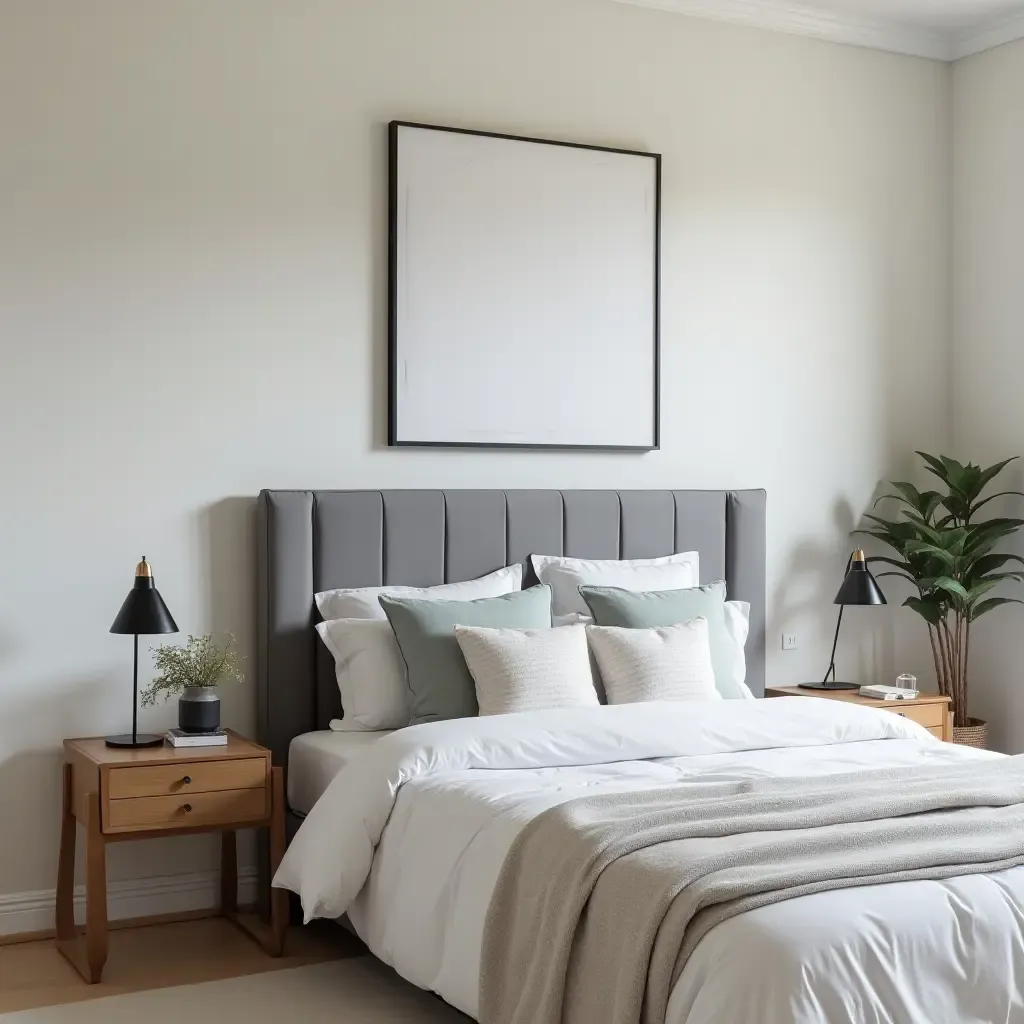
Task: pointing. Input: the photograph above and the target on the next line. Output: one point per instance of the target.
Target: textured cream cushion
(565, 576)
(528, 669)
(370, 672)
(661, 663)
(363, 603)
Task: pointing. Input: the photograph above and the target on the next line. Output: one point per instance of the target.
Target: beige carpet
(355, 991)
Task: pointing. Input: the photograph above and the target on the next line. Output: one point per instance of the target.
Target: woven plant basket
(973, 735)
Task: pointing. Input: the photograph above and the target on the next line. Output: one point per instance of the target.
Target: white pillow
(371, 674)
(662, 663)
(737, 625)
(362, 603)
(732, 685)
(566, 575)
(528, 669)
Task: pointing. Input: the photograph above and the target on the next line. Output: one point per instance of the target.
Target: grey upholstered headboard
(310, 541)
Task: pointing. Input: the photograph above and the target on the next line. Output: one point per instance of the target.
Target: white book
(177, 738)
(880, 692)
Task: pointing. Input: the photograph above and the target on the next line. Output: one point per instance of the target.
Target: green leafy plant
(948, 557)
(200, 662)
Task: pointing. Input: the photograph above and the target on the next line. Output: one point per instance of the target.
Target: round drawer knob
(187, 808)
(187, 781)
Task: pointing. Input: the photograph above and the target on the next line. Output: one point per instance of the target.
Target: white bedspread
(410, 837)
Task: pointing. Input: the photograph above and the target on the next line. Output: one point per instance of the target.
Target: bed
(412, 838)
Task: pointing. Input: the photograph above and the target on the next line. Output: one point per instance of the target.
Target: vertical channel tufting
(415, 554)
(618, 494)
(383, 539)
(591, 524)
(347, 548)
(347, 542)
(285, 649)
(648, 523)
(700, 526)
(477, 542)
(534, 527)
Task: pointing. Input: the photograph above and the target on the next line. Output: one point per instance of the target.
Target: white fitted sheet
(314, 758)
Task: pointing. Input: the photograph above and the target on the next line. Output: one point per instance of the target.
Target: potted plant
(194, 672)
(947, 555)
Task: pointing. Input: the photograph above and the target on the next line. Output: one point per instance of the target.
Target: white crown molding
(795, 19)
(875, 34)
(24, 912)
(978, 40)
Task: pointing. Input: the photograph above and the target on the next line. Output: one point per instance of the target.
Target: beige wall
(988, 336)
(192, 306)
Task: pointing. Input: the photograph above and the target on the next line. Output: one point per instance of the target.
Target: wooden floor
(157, 956)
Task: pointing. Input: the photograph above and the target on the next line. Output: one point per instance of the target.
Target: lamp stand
(827, 684)
(135, 740)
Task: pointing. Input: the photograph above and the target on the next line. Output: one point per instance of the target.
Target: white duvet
(409, 839)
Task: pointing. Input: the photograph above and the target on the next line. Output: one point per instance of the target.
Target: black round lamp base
(829, 686)
(143, 739)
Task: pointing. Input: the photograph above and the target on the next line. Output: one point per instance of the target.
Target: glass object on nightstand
(906, 682)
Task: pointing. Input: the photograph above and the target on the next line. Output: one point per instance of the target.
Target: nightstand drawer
(188, 810)
(186, 777)
(928, 715)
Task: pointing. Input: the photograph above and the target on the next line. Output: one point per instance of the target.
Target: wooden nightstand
(126, 794)
(929, 709)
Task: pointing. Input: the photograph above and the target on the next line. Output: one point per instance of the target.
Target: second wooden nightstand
(125, 794)
(928, 709)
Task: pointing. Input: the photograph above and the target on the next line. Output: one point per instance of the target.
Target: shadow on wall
(995, 681)
(807, 589)
(30, 780)
(228, 564)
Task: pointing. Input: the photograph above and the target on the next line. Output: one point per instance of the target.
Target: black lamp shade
(144, 610)
(859, 587)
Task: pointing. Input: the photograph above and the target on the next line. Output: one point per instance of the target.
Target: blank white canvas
(525, 290)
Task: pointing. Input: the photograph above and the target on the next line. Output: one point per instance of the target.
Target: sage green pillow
(613, 606)
(439, 680)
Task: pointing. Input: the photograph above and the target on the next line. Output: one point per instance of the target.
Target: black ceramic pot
(199, 709)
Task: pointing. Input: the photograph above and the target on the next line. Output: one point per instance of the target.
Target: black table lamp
(143, 611)
(860, 588)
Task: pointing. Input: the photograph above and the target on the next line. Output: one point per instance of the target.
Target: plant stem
(942, 633)
(967, 642)
(940, 676)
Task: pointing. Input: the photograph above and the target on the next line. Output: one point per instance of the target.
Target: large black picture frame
(394, 341)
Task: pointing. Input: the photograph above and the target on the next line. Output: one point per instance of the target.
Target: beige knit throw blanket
(601, 900)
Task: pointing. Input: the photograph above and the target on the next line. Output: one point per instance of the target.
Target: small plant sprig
(200, 662)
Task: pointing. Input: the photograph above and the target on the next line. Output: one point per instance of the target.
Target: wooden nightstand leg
(87, 953)
(95, 893)
(228, 873)
(65, 910)
(269, 936)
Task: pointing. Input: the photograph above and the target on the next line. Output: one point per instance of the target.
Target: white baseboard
(165, 894)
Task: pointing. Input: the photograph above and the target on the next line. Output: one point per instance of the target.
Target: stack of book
(880, 692)
(180, 738)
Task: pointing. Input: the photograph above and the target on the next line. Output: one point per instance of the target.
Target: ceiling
(939, 29)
